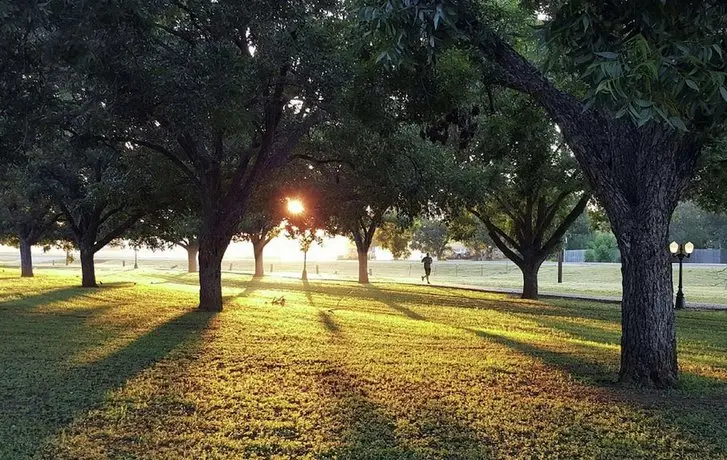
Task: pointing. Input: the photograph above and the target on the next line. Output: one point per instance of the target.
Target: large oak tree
(653, 74)
(223, 90)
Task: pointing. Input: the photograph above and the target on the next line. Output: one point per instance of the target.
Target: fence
(700, 256)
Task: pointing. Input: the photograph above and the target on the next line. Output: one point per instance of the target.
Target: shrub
(603, 248)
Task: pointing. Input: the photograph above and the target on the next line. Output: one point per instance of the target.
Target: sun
(295, 206)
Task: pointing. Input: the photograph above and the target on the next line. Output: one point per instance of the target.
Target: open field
(702, 283)
(132, 370)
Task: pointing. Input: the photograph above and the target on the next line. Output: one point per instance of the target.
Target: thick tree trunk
(192, 254)
(88, 270)
(530, 269)
(530, 284)
(26, 259)
(211, 250)
(363, 267)
(257, 249)
(638, 175)
(648, 340)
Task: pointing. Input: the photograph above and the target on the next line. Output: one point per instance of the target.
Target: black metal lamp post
(680, 251)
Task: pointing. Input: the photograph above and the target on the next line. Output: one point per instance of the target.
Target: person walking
(427, 261)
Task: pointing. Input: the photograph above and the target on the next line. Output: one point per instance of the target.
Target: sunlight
(295, 206)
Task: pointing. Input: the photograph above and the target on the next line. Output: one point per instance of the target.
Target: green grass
(702, 283)
(131, 370)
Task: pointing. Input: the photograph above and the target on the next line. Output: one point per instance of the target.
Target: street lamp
(680, 251)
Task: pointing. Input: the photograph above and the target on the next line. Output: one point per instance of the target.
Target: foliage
(701, 227)
(648, 60)
(323, 377)
(710, 185)
(306, 228)
(26, 209)
(432, 237)
(267, 209)
(519, 180)
(100, 193)
(394, 235)
(580, 233)
(470, 231)
(222, 91)
(603, 248)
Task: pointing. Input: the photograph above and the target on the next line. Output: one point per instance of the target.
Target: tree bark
(530, 279)
(363, 267)
(26, 259)
(257, 248)
(212, 248)
(88, 270)
(648, 340)
(192, 254)
(638, 175)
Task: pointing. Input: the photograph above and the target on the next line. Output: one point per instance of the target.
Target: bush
(603, 248)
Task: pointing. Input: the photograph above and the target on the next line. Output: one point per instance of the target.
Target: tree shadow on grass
(387, 299)
(368, 430)
(19, 302)
(48, 394)
(329, 323)
(585, 371)
(307, 289)
(701, 416)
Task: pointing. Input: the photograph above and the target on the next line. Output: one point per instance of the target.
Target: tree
(100, 193)
(602, 248)
(522, 183)
(263, 219)
(650, 71)
(305, 228)
(703, 228)
(365, 172)
(222, 90)
(394, 235)
(470, 231)
(580, 233)
(431, 236)
(172, 226)
(709, 190)
(27, 216)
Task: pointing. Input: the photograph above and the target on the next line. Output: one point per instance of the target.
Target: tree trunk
(212, 248)
(648, 340)
(638, 175)
(192, 254)
(26, 259)
(88, 270)
(530, 271)
(257, 248)
(363, 267)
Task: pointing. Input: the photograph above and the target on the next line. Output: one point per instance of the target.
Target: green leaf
(723, 92)
(718, 49)
(678, 123)
(607, 54)
(692, 84)
(643, 103)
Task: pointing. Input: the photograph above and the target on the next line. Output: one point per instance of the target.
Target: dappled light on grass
(343, 371)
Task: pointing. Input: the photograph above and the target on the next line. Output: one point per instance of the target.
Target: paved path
(553, 295)
(517, 292)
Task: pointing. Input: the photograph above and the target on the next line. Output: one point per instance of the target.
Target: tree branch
(118, 231)
(494, 229)
(496, 234)
(567, 222)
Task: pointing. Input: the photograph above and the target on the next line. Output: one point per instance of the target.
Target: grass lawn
(703, 283)
(132, 370)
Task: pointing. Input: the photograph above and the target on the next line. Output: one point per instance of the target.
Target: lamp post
(680, 251)
(561, 257)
